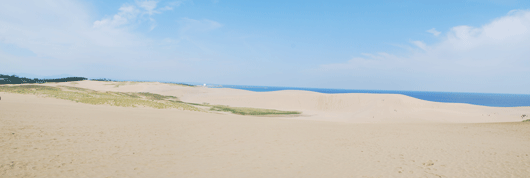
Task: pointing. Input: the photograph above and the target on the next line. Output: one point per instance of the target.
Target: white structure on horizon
(204, 85)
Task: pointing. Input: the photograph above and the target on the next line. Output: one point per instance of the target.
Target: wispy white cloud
(68, 39)
(133, 14)
(434, 31)
(469, 55)
(148, 6)
(166, 8)
(126, 15)
(420, 44)
(204, 25)
(171, 5)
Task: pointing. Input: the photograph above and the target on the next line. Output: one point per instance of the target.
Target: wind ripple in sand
(46, 137)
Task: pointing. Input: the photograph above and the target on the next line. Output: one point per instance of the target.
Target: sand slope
(46, 137)
(354, 108)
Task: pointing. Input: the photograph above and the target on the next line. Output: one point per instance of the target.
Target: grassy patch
(250, 111)
(153, 96)
(118, 84)
(123, 99)
(527, 120)
(87, 96)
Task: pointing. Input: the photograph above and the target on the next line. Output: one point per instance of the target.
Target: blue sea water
(483, 99)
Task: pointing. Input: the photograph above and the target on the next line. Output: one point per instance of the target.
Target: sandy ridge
(351, 107)
(47, 137)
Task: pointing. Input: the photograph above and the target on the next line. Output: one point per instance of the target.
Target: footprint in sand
(428, 163)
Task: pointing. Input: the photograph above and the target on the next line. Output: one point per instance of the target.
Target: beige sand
(353, 108)
(46, 137)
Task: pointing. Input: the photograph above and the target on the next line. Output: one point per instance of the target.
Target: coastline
(480, 99)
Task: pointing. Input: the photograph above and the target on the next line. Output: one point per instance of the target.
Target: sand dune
(47, 137)
(353, 107)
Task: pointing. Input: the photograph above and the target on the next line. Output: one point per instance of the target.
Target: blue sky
(457, 46)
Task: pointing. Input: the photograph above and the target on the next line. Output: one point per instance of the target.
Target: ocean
(483, 99)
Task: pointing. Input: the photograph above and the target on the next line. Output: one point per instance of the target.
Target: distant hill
(13, 79)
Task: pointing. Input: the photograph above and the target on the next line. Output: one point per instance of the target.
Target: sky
(452, 46)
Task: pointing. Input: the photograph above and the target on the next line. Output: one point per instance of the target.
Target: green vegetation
(118, 84)
(250, 111)
(97, 98)
(123, 99)
(13, 79)
(103, 80)
(527, 120)
(153, 96)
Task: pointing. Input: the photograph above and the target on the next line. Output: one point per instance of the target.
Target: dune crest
(351, 107)
(51, 137)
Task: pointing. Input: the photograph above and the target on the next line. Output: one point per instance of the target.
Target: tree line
(13, 79)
